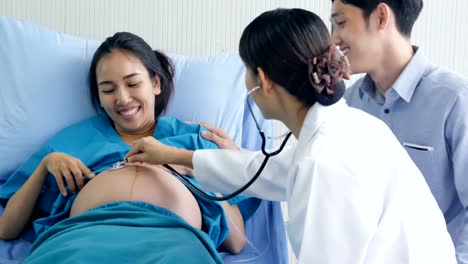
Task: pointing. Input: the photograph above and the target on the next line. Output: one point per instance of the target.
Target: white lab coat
(354, 195)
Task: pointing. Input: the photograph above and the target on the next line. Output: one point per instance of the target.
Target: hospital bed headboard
(43, 77)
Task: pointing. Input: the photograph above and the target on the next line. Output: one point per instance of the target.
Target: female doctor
(354, 194)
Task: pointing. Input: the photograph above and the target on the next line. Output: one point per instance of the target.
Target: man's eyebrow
(336, 14)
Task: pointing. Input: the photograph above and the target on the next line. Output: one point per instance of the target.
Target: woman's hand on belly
(63, 166)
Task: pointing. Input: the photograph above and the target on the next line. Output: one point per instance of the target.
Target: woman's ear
(157, 85)
(265, 82)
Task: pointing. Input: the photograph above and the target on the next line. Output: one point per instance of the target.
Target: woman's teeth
(129, 112)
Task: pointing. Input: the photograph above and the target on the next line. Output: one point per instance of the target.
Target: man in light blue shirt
(425, 105)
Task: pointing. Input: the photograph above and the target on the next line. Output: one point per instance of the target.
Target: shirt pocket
(422, 148)
(422, 155)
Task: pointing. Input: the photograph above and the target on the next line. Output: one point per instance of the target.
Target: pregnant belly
(139, 182)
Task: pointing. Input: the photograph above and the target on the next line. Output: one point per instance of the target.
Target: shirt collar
(408, 79)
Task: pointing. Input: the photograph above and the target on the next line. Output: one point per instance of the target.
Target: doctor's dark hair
(282, 42)
(406, 11)
(155, 62)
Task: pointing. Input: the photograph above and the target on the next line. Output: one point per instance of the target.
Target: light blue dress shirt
(427, 110)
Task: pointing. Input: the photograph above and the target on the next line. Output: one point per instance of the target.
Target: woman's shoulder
(175, 132)
(81, 129)
(172, 126)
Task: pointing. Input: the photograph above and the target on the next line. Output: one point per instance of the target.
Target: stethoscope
(203, 194)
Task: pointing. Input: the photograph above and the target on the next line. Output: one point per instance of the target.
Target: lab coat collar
(315, 117)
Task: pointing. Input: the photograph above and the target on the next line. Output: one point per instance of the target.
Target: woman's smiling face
(127, 92)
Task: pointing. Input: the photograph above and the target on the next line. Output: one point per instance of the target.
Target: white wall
(210, 27)
(201, 27)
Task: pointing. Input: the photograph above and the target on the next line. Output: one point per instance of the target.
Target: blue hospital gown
(95, 142)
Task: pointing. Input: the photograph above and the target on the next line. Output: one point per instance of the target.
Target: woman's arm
(19, 208)
(67, 170)
(236, 240)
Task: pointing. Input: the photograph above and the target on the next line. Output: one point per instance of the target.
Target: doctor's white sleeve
(225, 171)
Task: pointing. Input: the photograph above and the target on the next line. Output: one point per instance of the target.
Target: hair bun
(326, 73)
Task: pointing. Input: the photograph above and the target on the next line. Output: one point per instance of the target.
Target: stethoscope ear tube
(200, 193)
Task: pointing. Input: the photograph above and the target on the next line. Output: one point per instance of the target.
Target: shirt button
(386, 111)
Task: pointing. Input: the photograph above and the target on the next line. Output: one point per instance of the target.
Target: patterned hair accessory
(328, 69)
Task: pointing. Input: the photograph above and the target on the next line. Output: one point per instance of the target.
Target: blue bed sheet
(265, 232)
(123, 232)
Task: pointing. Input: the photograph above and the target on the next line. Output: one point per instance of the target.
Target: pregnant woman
(85, 210)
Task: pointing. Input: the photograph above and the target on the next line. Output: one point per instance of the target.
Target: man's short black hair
(406, 11)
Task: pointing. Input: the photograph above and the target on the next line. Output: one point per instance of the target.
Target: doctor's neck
(296, 125)
(293, 113)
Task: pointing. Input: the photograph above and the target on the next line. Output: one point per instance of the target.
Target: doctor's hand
(63, 166)
(149, 150)
(219, 137)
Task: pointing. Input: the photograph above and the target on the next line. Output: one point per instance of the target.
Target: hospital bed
(43, 89)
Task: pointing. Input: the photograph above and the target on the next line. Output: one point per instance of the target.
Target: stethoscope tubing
(202, 194)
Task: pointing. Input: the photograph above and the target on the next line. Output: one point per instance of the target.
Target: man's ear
(382, 12)
(265, 82)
